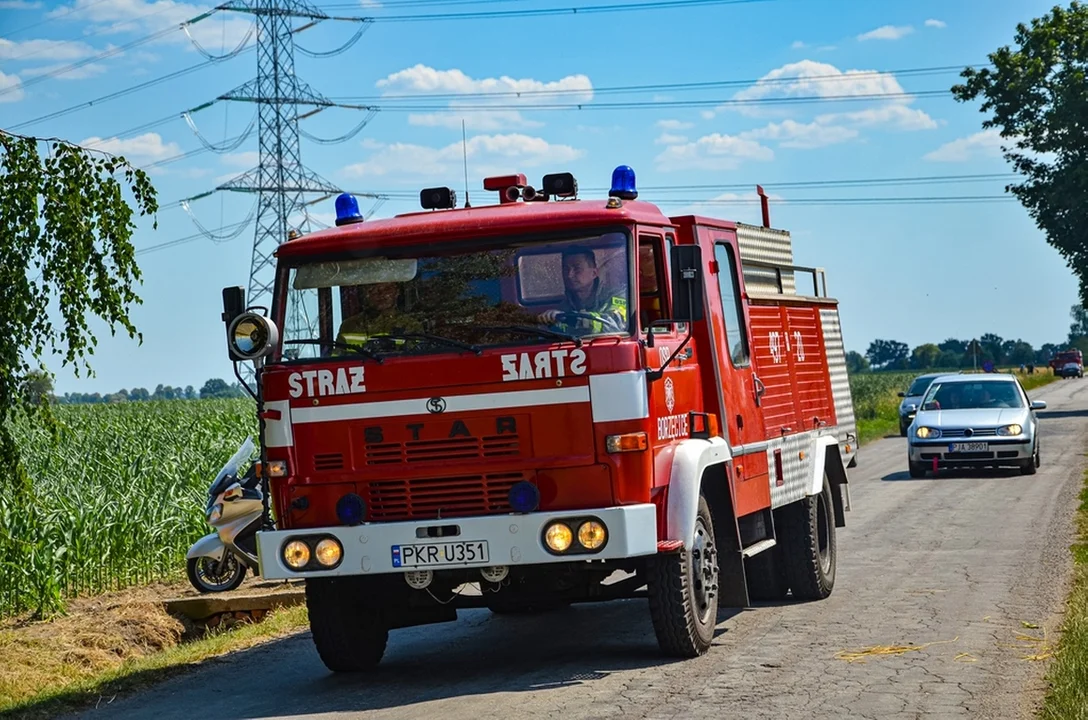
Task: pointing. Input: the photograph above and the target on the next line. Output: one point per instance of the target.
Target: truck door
(742, 420)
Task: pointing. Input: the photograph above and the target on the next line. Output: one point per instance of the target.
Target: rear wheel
(809, 548)
(683, 592)
(917, 469)
(349, 636)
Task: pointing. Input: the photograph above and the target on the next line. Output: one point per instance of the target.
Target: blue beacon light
(347, 210)
(623, 183)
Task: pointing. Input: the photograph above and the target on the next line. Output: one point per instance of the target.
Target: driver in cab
(585, 307)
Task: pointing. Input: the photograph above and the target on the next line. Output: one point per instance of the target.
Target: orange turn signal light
(629, 442)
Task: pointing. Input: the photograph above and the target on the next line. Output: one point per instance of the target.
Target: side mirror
(234, 303)
(902, 394)
(1038, 404)
(687, 283)
(912, 408)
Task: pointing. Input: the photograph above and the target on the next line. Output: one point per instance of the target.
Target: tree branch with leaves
(66, 258)
(1036, 95)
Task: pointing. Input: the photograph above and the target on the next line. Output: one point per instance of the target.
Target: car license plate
(439, 554)
(968, 447)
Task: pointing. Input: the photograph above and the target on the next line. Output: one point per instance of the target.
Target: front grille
(400, 499)
(329, 461)
(961, 432)
(469, 448)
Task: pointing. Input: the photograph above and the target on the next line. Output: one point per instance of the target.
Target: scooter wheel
(209, 575)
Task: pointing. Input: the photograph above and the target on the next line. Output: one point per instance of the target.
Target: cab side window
(735, 335)
(651, 284)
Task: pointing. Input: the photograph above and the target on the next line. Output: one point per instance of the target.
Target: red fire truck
(541, 402)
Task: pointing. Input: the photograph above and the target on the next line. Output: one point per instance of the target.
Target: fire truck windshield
(412, 303)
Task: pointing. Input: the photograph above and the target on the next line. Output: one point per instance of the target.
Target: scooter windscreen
(230, 470)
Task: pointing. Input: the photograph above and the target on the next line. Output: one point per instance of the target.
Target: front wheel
(807, 529)
(348, 635)
(683, 592)
(917, 469)
(209, 575)
(1031, 466)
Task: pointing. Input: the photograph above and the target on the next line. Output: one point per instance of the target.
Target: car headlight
(927, 433)
(1013, 429)
(216, 513)
(296, 554)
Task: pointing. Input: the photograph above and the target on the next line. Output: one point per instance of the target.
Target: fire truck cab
(541, 402)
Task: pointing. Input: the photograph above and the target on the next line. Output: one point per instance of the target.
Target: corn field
(116, 501)
(875, 393)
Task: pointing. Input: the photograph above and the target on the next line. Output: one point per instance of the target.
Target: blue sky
(913, 272)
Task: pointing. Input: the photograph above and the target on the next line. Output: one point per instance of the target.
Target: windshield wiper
(438, 339)
(539, 332)
(343, 346)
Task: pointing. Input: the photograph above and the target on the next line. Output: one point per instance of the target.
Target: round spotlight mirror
(252, 336)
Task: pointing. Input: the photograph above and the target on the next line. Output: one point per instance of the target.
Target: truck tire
(766, 582)
(348, 636)
(917, 469)
(807, 528)
(683, 592)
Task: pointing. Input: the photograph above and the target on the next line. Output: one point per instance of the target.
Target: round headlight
(252, 335)
(591, 535)
(328, 552)
(558, 536)
(1013, 429)
(296, 554)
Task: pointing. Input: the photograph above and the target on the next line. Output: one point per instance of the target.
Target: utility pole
(280, 180)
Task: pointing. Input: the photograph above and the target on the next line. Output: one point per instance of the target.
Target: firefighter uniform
(609, 311)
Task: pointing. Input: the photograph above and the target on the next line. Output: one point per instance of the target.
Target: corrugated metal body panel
(765, 245)
(797, 470)
(773, 368)
(840, 381)
(811, 386)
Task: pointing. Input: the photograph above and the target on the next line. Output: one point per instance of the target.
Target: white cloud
(148, 146)
(982, 144)
(506, 91)
(674, 125)
(936, 23)
(894, 115)
(79, 73)
(39, 50)
(713, 152)
(806, 136)
(744, 207)
(9, 81)
(371, 4)
(219, 33)
(707, 114)
(887, 32)
(424, 79)
(670, 139)
(798, 45)
(487, 154)
(19, 5)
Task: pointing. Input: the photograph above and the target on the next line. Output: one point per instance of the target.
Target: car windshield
(966, 395)
(413, 303)
(918, 386)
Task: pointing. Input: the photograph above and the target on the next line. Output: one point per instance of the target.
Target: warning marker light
(347, 210)
(623, 183)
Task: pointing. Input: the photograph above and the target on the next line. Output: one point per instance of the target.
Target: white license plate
(968, 447)
(441, 554)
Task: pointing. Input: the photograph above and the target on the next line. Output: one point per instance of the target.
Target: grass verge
(1067, 680)
(47, 669)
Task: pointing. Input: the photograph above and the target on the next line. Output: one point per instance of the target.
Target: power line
(540, 12)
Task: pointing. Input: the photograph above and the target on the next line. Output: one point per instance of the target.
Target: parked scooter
(218, 561)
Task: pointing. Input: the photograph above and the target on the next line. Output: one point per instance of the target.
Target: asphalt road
(961, 569)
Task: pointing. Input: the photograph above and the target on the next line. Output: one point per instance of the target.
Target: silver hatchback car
(974, 420)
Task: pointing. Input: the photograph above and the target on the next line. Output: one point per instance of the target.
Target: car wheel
(1031, 466)
(917, 469)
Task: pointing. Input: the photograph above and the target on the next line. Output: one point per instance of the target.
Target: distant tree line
(212, 389)
(953, 353)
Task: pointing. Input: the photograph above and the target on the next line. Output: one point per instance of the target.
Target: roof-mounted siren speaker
(561, 185)
(439, 198)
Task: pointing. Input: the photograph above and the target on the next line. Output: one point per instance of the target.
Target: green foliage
(888, 354)
(925, 356)
(1036, 95)
(64, 238)
(118, 497)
